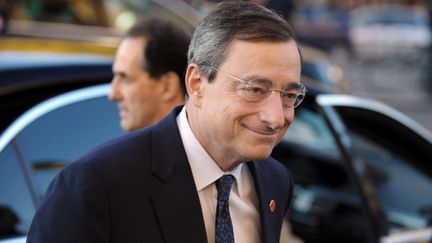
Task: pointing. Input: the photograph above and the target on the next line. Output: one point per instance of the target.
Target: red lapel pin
(272, 206)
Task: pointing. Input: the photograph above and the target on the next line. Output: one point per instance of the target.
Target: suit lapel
(270, 221)
(176, 203)
(179, 212)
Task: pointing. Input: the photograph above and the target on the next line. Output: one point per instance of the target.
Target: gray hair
(238, 20)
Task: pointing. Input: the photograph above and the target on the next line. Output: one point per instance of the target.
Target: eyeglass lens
(258, 91)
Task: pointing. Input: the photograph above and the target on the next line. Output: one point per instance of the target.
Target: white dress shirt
(243, 201)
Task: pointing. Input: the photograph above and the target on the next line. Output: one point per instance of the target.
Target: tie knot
(223, 186)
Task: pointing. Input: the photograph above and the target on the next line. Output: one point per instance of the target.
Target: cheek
(221, 116)
(216, 101)
(234, 118)
(222, 107)
(232, 107)
(289, 116)
(138, 94)
(129, 91)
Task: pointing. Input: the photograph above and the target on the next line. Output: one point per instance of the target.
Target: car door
(391, 157)
(44, 140)
(327, 204)
(362, 172)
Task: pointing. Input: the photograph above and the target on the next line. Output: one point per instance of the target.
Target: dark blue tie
(224, 230)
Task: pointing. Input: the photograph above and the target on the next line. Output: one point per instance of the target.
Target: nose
(114, 93)
(274, 114)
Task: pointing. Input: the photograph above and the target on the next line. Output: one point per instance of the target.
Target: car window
(20, 239)
(399, 185)
(326, 205)
(16, 201)
(54, 134)
(310, 129)
(396, 162)
(63, 135)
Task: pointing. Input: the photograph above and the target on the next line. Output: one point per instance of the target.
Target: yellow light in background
(124, 20)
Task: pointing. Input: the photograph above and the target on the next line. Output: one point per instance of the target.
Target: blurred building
(351, 4)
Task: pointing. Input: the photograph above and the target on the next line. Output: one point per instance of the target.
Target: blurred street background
(376, 48)
(60, 52)
(398, 82)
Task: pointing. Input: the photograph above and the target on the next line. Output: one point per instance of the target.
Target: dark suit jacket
(140, 188)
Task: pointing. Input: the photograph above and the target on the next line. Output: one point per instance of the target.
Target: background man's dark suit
(140, 188)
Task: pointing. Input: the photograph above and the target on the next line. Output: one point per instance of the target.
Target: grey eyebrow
(254, 77)
(246, 80)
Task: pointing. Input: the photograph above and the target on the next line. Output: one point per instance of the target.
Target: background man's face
(132, 86)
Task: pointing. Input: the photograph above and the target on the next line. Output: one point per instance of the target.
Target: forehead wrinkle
(276, 62)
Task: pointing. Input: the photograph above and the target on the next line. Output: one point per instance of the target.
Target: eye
(290, 95)
(124, 79)
(289, 98)
(260, 86)
(254, 89)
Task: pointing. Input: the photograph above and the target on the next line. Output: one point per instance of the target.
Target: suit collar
(176, 202)
(167, 148)
(271, 222)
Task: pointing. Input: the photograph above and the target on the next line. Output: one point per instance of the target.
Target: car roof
(20, 71)
(11, 60)
(29, 78)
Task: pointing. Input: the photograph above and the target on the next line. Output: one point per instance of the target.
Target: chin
(126, 127)
(258, 153)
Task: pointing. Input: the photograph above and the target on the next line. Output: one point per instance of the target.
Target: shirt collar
(205, 171)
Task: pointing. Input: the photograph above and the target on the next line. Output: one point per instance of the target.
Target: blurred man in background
(149, 72)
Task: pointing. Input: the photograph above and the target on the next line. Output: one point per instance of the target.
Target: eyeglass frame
(301, 90)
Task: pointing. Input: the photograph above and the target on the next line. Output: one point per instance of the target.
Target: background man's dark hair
(238, 20)
(166, 49)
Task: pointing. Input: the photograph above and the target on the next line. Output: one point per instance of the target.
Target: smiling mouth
(264, 131)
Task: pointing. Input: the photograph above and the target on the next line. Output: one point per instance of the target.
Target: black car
(362, 170)
(29, 78)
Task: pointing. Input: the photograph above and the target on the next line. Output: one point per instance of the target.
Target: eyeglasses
(258, 91)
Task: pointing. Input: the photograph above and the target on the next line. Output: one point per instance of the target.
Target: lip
(122, 112)
(262, 132)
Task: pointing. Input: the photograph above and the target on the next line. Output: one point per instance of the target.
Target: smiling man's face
(230, 128)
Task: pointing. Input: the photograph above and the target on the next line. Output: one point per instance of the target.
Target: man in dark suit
(202, 174)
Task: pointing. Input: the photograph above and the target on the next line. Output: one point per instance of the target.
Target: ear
(171, 89)
(195, 84)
